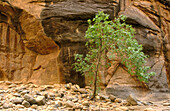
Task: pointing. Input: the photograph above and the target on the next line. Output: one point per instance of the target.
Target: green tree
(117, 38)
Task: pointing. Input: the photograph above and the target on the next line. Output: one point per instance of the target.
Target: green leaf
(117, 38)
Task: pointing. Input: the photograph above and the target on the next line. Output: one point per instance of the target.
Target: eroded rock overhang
(26, 53)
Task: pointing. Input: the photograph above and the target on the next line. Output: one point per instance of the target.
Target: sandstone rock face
(150, 20)
(66, 22)
(22, 43)
(38, 40)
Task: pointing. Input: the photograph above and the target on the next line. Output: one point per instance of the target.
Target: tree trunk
(96, 72)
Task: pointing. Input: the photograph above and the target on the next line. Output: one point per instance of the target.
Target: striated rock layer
(38, 40)
(26, 53)
(151, 22)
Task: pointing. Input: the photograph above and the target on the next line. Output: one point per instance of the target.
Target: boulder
(17, 100)
(131, 100)
(40, 100)
(26, 104)
(29, 98)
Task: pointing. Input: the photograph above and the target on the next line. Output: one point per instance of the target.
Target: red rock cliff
(38, 39)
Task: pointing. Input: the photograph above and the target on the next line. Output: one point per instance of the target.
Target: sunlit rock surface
(38, 40)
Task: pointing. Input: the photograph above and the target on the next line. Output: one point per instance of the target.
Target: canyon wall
(151, 21)
(26, 53)
(38, 40)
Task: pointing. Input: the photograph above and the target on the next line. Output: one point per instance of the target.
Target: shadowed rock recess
(38, 40)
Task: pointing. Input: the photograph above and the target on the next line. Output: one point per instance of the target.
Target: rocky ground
(30, 97)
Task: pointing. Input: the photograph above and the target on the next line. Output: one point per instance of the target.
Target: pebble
(19, 106)
(124, 108)
(75, 100)
(58, 104)
(30, 97)
(118, 100)
(68, 86)
(33, 106)
(17, 95)
(12, 86)
(17, 100)
(7, 105)
(74, 88)
(103, 97)
(69, 104)
(149, 109)
(45, 94)
(26, 104)
(77, 106)
(8, 82)
(24, 92)
(85, 103)
(166, 104)
(131, 100)
(82, 91)
(1, 82)
(112, 98)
